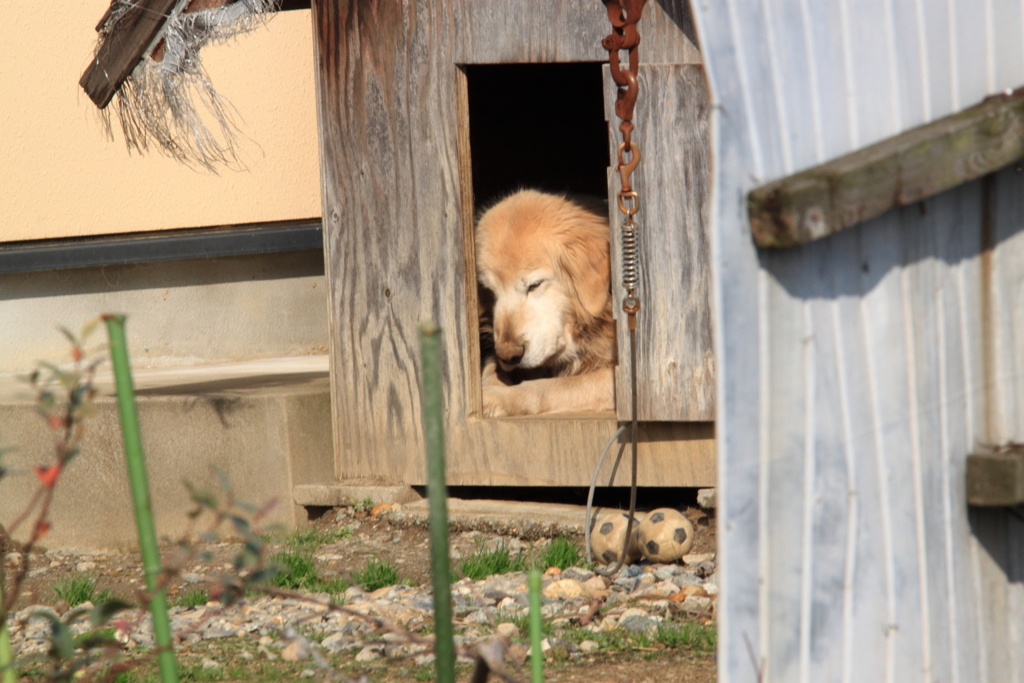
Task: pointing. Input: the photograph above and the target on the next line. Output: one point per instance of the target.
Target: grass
(192, 598)
(378, 574)
(484, 563)
(297, 571)
(77, 589)
(563, 553)
(689, 635)
(311, 539)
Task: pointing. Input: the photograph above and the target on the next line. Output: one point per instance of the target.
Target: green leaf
(70, 455)
(241, 525)
(89, 327)
(202, 498)
(103, 612)
(104, 638)
(62, 644)
(70, 335)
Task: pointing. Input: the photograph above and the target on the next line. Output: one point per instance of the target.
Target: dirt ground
(358, 536)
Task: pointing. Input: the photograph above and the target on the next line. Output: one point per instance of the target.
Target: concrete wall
(61, 177)
(179, 313)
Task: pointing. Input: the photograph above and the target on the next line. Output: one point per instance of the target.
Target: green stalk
(536, 656)
(6, 656)
(140, 496)
(437, 494)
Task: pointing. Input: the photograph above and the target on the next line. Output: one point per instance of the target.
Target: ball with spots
(665, 535)
(606, 533)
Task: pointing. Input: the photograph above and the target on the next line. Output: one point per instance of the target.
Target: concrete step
(266, 424)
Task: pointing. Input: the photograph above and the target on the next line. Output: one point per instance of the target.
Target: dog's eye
(534, 286)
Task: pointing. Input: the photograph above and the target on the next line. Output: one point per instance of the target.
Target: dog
(545, 259)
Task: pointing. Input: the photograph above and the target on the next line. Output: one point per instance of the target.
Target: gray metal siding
(857, 372)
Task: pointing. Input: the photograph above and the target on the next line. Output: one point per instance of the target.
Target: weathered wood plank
(901, 170)
(122, 50)
(675, 355)
(996, 477)
(519, 31)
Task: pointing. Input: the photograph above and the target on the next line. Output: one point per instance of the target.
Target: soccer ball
(606, 532)
(665, 535)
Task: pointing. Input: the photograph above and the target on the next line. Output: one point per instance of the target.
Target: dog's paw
(503, 401)
(494, 404)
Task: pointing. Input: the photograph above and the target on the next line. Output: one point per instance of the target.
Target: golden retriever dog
(546, 261)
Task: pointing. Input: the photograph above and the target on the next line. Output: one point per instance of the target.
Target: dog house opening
(541, 127)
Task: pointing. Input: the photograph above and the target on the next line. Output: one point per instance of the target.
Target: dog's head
(546, 260)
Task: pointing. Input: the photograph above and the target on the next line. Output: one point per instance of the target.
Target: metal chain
(624, 15)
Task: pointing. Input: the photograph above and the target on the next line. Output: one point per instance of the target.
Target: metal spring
(630, 257)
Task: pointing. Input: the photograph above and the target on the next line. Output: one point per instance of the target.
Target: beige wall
(61, 177)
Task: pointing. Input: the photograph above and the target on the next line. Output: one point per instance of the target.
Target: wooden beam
(996, 477)
(123, 48)
(904, 169)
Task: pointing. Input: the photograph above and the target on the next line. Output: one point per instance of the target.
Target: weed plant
(297, 571)
(196, 597)
(563, 553)
(378, 574)
(484, 563)
(76, 590)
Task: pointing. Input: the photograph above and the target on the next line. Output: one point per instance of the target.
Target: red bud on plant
(48, 475)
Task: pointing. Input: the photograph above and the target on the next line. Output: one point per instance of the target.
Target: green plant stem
(437, 493)
(6, 656)
(140, 496)
(536, 656)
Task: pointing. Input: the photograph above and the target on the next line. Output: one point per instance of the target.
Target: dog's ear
(585, 262)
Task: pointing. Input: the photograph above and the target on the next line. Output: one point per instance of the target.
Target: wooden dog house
(399, 85)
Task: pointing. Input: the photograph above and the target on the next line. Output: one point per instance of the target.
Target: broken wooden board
(122, 49)
(901, 170)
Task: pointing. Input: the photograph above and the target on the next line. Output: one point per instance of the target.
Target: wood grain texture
(857, 372)
(122, 49)
(675, 356)
(398, 240)
(520, 31)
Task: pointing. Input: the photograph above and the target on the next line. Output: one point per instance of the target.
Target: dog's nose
(510, 353)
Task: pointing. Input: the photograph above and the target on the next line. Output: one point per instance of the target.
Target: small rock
(697, 558)
(552, 571)
(638, 621)
(711, 588)
(294, 651)
(696, 604)
(428, 658)
(566, 589)
(334, 642)
(507, 630)
(369, 653)
(210, 664)
(380, 508)
(588, 646)
(85, 566)
(706, 498)
(665, 573)
(597, 583)
(631, 571)
(578, 573)
(307, 673)
(705, 569)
